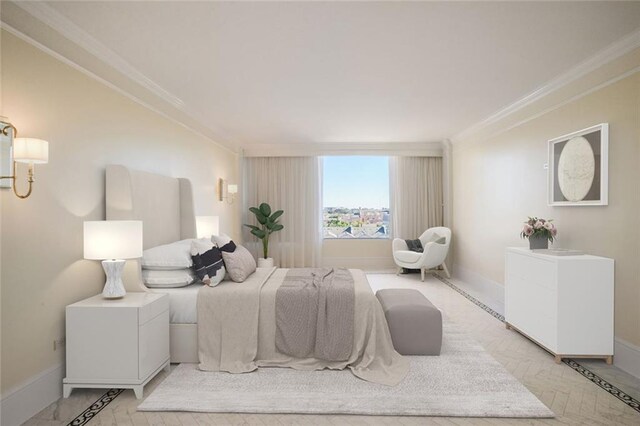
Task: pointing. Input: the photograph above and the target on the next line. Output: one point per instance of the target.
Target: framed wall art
(578, 168)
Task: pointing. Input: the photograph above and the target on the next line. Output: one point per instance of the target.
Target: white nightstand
(121, 343)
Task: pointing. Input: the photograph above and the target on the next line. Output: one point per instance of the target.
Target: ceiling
(328, 72)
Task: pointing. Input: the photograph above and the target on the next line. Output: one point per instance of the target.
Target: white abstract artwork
(578, 168)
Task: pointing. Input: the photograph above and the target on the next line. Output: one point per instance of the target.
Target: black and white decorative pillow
(224, 243)
(207, 262)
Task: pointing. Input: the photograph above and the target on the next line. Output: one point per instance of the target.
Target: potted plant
(268, 225)
(539, 232)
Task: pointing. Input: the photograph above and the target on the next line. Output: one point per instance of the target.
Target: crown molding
(421, 149)
(51, 17)
(608, 54)
(57, 22)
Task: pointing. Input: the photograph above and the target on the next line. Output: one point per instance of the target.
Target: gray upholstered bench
(414, 323)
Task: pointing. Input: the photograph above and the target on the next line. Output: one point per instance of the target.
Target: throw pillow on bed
(224, 243)
(207, 262)
(239, 263)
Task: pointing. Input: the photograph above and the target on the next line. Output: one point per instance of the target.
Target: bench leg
(422, 274)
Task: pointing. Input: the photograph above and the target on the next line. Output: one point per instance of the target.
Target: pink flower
(549, 226)
(538, 225)
(527, 230)
(554, 231)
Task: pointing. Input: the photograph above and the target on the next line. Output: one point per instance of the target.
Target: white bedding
(182, 303)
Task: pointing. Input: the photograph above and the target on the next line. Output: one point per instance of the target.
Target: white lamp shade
(113, 239)
(30, 150)
(232, 189)
(207, 226)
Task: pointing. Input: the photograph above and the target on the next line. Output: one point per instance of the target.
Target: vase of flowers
(539, 232)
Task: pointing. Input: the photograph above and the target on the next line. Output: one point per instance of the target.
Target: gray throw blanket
(315, 314)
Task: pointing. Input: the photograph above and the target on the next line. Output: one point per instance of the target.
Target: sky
(356, 181)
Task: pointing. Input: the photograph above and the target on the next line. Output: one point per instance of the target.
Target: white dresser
(563, 303)
(117, 343)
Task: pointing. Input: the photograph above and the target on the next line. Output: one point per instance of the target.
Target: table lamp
(113, 241)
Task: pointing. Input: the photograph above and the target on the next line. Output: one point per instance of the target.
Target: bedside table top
(130, 300)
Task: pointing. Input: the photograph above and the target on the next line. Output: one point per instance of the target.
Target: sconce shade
(112, 239)
(30, 150)
(206, 226)
(232, 189)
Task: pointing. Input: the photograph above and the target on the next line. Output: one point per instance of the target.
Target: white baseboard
(26, 400)
(489, 292)
(627, 357)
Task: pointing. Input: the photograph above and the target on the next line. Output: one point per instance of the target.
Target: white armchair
(433, 256)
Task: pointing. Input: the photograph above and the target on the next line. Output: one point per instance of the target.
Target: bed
(244, 314)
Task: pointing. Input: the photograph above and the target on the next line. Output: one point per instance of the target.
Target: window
(355, 197)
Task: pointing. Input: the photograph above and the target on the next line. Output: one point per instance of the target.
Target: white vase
(265, 263)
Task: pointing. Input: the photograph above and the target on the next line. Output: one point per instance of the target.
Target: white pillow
(168, 256)
(168, 279)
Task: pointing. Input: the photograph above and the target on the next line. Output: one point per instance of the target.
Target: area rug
(464, 381)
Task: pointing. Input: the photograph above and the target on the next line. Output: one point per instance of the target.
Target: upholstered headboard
(163, 204)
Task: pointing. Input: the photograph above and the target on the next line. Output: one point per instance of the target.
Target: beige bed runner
(314, 314)
(237, 331)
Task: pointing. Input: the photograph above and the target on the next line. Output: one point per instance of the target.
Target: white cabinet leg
(138, 391)
(66, 391)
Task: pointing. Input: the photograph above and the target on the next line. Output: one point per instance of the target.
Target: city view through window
(356, 197)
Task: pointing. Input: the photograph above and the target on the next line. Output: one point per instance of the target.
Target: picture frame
(578, 168)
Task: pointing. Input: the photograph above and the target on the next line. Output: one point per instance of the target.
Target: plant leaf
(265, 209)
(251, 226)
(255, 210)
(277, 227)
(259, 233)
(276, 215)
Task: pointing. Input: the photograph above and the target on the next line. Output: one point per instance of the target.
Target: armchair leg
(446, 270)
(422, 274)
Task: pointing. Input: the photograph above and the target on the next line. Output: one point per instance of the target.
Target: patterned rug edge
(582, 370)
(95, 408)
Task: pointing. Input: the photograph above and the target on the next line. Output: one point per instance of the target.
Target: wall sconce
(25, 150)
(226, 191)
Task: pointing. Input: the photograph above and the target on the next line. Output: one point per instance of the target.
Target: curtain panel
(416, 195)
(292, 184)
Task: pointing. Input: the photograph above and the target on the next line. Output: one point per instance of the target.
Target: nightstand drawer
(153, 344)
(151, 310)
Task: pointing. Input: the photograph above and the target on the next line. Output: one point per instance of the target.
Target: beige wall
(88, 126)
(500, 181)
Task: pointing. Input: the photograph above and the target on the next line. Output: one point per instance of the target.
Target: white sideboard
(563, 303)
(117, 343)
